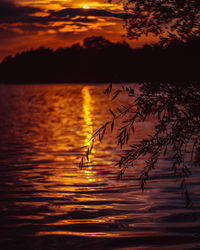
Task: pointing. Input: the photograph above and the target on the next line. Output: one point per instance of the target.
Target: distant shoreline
(104, 83)
(103, 61)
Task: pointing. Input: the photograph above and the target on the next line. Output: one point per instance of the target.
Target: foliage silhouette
(174, 107)
(176, 135)
(164, 18)
(99, 60)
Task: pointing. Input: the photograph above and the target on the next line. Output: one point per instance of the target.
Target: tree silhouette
(97, 42)
(174, 107)
(176, 134)
(164, 18)
(100, 60)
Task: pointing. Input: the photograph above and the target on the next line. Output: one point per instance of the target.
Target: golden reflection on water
(53, 195)
(87, 114)
(117, 234)
(88, 128)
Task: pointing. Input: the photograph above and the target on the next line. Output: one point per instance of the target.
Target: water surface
(47, 202)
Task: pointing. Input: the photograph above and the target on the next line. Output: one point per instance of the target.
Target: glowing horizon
(85, 6)
(28, 24)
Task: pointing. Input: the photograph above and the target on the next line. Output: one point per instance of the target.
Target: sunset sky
(26, 24)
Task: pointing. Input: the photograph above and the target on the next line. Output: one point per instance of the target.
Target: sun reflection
(85, 6)
(87, 107)
(88, 129)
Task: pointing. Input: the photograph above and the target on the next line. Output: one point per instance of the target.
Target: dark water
(47, 202)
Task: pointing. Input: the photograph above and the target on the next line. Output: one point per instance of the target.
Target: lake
(47, 202)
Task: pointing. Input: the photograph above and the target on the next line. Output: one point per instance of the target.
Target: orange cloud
(26, 24)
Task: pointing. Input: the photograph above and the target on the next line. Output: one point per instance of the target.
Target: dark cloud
(84, 20)
(72, 12)
(20, 21)
(9, 12)
(48, 19)
(21, 28)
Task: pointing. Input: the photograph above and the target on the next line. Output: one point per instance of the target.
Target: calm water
(47, 202)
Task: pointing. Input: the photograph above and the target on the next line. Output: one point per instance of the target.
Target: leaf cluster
(176, 135)
(163, 18)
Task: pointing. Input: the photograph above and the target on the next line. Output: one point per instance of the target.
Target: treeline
(99, 60)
